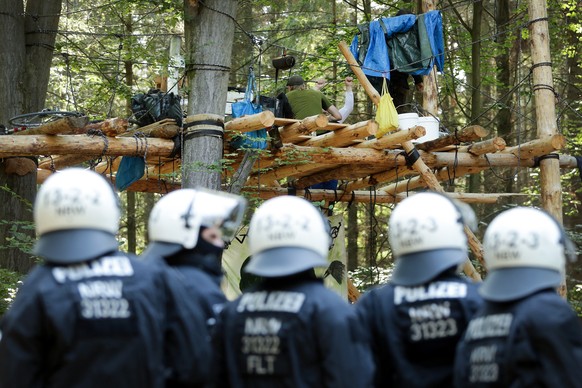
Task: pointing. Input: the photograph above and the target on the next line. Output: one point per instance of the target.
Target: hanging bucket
(407, 120)
(431, 125)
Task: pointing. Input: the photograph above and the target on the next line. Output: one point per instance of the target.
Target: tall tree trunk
(371, 236)
(26, 51)
(209, 33)
(573, 122)
(476, 100)
(130, 208)
(502, 62)
(352, 237)
(131, 223)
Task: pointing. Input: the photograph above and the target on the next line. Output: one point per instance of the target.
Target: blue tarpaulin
(376, 62)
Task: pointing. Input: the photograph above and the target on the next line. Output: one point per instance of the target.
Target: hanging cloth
(254, 139)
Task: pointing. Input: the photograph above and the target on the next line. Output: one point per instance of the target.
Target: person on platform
(348, 96)
(307, 102)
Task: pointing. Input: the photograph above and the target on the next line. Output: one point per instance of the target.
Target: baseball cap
(295, 80)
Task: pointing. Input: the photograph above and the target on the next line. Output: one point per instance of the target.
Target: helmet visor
(222, 210)
(507, 284)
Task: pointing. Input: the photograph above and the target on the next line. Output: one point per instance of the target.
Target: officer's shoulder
(553, 306)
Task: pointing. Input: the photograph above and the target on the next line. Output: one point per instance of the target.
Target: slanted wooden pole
(418, 163)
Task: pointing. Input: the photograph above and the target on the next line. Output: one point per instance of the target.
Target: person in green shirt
(308, 102)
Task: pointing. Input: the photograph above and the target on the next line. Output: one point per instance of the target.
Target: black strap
(411, 157)
(538, 159)
(217, 123)
(176, 150)
(203, 132)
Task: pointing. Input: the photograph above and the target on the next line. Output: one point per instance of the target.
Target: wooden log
(393, 158)
(281, 122)
(62, 161)
(108, 166)
(345, 172)
(64, 125)
(545, 108)
(353, 292)
(393, 138)
(154, 185)
(282, 172)
(418, 181)
(293, 133)
(468, 134)
(164, 129)
(317, 155)
(42, 174)
(335, 126)
(537, 147)
(380, 177)
(364, 196)
(484, 147)
(343, 137)
(110, 127)
(84, 145)
(249, 123)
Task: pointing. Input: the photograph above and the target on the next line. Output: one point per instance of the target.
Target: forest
(99, 54)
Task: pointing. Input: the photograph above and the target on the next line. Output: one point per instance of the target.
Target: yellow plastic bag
(386, 114)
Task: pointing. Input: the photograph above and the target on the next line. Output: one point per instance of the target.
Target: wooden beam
(418, 181)
(293, 133)
(537, 147)
(83, 145)
(249, 123)
(484, 147)
(282, 172)
(164, 129)
(64, 125)
(343, 137)
(61, 161)
(380, 177)
(393, 138)
(364, 196)
(344, 172)
(468, 134)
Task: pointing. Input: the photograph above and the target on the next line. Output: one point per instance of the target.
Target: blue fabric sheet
(377, 61)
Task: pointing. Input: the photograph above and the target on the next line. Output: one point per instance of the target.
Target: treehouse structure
(382, 169)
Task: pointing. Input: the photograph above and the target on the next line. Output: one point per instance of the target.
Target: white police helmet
(525, 250)
(427, 237)
(287, 235)
(176, 219)
(76, 214)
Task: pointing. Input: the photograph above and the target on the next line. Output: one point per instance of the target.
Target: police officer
(415, 320)
(188, 229)
(89, 315)
(290, 331)
(525, 335)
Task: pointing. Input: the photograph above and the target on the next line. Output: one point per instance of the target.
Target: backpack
(279, 105)
(156, 105)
